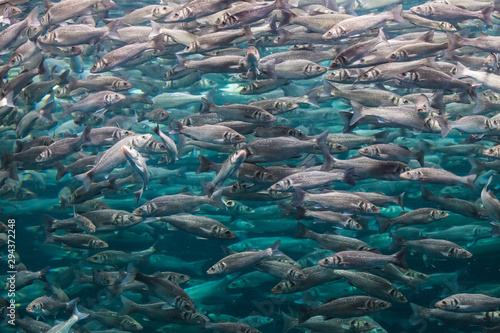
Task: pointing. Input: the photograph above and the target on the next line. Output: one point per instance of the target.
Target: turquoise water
(256, 221)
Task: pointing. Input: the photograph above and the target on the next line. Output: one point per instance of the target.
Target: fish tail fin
(445, 126)
(72, 304)
(113, 29)
(289, 322)
(283, 5)
(320, 140)
(397, 242)
(299, 197)
(427, 195)
(85, 178)
(381, 36)
(484, 15)
(272, 24)
(158, 43)
(206, 105)
(400, 258)
(329, 162)
(216, 199)
(383, 224)
(396, 14)
(61, 170)
(304, 232)
(420, 157)
(205, 164)
(127, 306)
(305, 313)
(349, 176)
(357, 114)
(455, 41)
(400, 199)
(138, 194)
(470, 181)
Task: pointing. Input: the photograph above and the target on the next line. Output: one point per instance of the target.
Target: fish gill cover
(250, 166)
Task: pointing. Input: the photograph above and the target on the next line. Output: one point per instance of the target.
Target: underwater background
(228, 111)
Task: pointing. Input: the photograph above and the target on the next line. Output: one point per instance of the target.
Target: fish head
(45, 20)
(368, 207)
(360, 325)
(217, 268)
(182, 14)
(102, 6)
(140, 140)
(353, 224)
(120, 84)
(227, 21)
(184, 304)
(35, 308)
(160, 114)
(130, 324)
(161, 11)
(99, 66)
(447, 26)
(283, 185)
(313, 70)
(332, 261)
(233, 137)
(285, 106)
(458, 252)
(396, 56)
(265, 117)
(369, 75)
(423, 10)
(223, 233)
(492, 124)
(369, 151)
(492, 152)
(238, 156)
(449, 303)
(192, 47)
(44, 156)
(121, 134)
(145, 210)
(33, 32)
(284, 287)
(98, 258)
(113, 98)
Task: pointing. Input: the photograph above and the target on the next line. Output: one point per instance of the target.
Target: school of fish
(250, 166)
